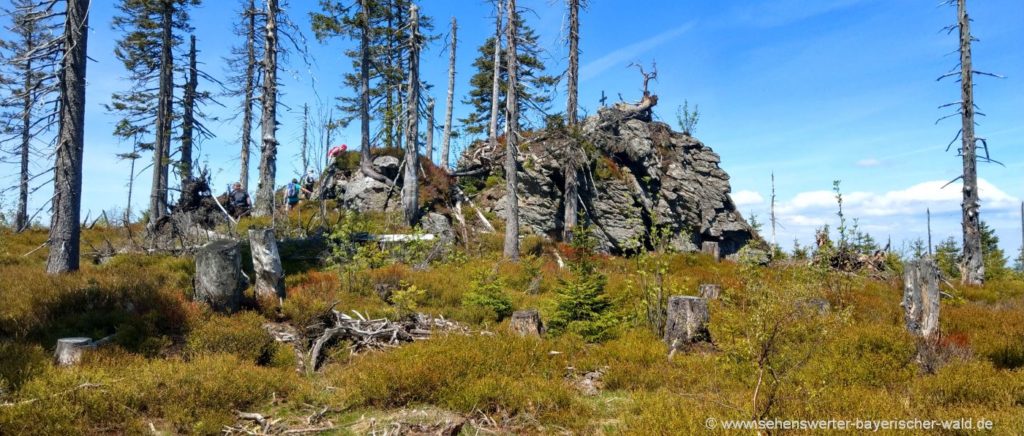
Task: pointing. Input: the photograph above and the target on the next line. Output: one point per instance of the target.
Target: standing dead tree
(268, 121)
(972, 267)
(410, 185)
(492, 130)
(245, 76)
(29, 92)
(65, 228)
(570, 198)
(446, 141)
(648, 100)
(428, 144)
(512, 141)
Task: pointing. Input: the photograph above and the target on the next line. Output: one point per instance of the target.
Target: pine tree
(28, 92)
(534, 87)
(152, 30)
(244, 78)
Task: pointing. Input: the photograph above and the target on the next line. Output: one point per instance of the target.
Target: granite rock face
(641, 184)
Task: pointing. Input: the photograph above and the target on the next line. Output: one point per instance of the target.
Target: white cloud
(619, 57)
(869, 162)
(746, 198)
(898, 213)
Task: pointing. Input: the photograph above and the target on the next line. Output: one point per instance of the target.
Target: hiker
(292, 192)
(238, 201)
(337, 151)
(308, 182)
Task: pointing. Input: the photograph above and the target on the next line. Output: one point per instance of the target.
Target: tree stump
(69, 350)
(686, 322)
(921, 298)
(266, 262)
(527, 323)
(711, 248)
(710, 291)
(219, 279)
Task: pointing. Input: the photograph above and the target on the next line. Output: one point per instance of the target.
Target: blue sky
(812, 90)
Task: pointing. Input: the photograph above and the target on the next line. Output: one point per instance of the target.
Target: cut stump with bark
(921, 298)
(710, 291)
(219, 279)
(527, 323)
(266, 262)
(69, 350)
(686, 322)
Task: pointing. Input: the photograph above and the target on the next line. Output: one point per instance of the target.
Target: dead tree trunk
(268, 122)
(512, 142)
(686, 322)
(774, 243)
(710, 291)
(304, 151)
(574, 62)
(445, 147)
(219, 280)
(711, 248)
(69, 350)
(250, 86)
(428, 145)
(266, 262)
(921, 298)
(164, 114)
(188, 114)
(65, 227)
(972, 266)
(526, 323)
(410, 185)
(21, 215)
(492, 131)
(570, 199)
(365, 158)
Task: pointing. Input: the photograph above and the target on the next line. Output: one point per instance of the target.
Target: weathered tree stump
(686, 322)
(69, 350)
(219, 279)
(709, 291)
(266, 262)
(921, 298)
(527, 323)
(711, 248)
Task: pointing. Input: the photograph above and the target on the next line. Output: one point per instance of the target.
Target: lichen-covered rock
(641, 184)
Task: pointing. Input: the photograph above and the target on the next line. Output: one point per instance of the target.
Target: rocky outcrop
(641, 184)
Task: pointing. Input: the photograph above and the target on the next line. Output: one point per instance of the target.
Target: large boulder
(641, 184)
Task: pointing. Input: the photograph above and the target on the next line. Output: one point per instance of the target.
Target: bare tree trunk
(492, 130)
(512, 142)
(21, 216)
(164, 113)
(928, 212)
(445, 147)
(410, 185)
(774, 244)
(574, 62)
(365, 158)
(188, 114)
(250, 85)
(268, 122)
(973, 269)
(428, 145)
(570, 200)
(304, 154)
(65, 228)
